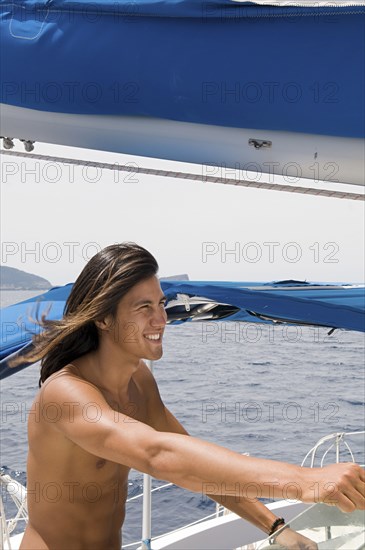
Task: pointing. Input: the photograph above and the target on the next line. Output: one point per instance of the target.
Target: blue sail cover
(227, 63)
(294, 302)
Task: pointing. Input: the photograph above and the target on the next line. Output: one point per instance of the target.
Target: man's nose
(160, 318)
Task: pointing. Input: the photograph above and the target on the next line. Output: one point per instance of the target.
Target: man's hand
(291, 540)
(341, 485)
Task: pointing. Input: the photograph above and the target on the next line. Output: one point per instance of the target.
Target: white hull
(229, 531)
(210, 534)
(225, 532)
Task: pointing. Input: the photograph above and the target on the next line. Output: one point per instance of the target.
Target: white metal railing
(336, 441)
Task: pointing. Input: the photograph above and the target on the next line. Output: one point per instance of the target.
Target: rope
(190, 176)
(7, 526)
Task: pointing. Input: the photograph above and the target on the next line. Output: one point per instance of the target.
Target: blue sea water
(268, 391)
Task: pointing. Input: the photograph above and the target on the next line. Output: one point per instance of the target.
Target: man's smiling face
(140, 321)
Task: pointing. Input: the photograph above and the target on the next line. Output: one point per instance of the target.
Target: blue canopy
(294, 302)
(222, 62)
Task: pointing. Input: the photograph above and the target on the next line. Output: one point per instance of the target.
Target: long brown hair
(105, 279)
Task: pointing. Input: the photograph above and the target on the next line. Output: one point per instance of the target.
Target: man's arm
(252, 509)
(189, 462)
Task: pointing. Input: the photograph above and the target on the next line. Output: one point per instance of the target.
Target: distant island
(15, 279)
(183, 277)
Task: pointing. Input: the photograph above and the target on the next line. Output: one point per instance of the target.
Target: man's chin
(154, 355)
(158, 354)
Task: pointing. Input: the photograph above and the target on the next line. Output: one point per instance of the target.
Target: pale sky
(56, 217)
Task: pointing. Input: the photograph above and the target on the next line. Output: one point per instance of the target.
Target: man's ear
(104, 324)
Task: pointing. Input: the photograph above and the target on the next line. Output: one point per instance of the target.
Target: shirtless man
(99, 413)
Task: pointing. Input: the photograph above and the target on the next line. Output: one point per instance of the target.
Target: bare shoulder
(67, 386)
(78, 410)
